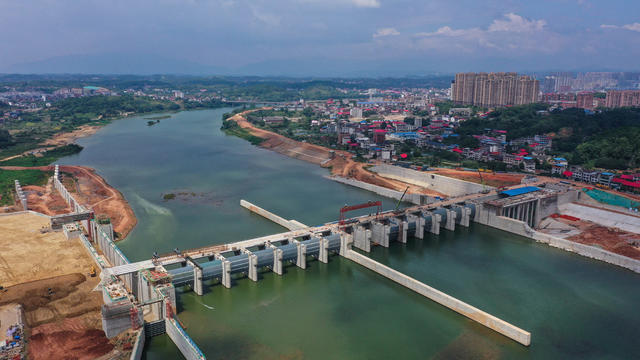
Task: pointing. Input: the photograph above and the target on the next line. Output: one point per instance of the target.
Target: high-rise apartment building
(584, 100)
(494, 89)
(622, 98)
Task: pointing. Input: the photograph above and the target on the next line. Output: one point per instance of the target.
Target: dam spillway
(247, 258)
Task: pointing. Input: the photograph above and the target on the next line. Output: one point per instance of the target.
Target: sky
(318, 37)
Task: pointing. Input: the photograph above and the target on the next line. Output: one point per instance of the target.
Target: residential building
(584, 100)
(622, 98)
(494, 89)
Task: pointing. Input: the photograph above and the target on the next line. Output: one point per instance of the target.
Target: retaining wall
(416, 199)
(187, 347)
(21, 196)
(442, 184)
(289, 224)
(138, 346)
(65, 193)
(441, 298)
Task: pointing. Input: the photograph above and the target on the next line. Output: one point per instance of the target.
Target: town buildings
(622, 98)
(494, 89)
(584, 100)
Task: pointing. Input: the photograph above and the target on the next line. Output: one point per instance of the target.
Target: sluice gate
(226, 263)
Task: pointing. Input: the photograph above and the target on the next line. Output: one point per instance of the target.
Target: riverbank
(340, 162)
(89, 188)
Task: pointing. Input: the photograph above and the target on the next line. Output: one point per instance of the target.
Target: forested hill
(607, 139)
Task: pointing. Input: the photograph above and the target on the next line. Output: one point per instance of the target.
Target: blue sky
(323, 36)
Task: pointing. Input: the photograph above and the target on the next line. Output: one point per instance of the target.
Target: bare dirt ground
(90, 190)
(610, 239)
(46, 200)
(490, 179)
(47, 274)
(60, 140)
(341, 165)
(70, 137)
(27, 254)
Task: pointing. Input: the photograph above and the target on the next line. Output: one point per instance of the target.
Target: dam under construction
(368, 287)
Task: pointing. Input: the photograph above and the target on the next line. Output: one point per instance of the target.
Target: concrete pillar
(419, 220)
(380, 233)
(362, 238)
(345, 243)
(253, 267)
(536, 213)
(197, 281)
(402, 231)
(226, 273)
(435, 223)
(301, 262)
(465, 215)
(323, 253)
(451, 220)
(277, 261)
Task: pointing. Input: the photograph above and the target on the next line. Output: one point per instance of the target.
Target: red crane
(348, 208)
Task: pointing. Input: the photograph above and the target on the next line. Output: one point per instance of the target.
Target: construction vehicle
(92, 271)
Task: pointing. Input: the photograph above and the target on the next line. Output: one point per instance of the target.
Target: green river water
(574, 307)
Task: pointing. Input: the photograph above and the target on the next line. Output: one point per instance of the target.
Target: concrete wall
(92, 252)
(75, 206)
(21, 196)
(116, 318)
(412, 198)
(182, 340)
(103, 237)
(289, 224)
(520, 228)
(442, 184)
(138, 346)
(441, 298)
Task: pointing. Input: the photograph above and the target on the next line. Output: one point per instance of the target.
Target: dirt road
(341, 165)
(490, 179)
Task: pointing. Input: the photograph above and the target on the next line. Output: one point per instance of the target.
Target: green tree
(5, 138)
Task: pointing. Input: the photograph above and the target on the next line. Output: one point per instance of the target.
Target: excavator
(92, 271)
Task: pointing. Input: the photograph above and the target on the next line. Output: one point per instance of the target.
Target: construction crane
(401, 197)
(348, 208)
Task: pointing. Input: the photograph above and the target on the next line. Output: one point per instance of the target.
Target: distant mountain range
(145, 64)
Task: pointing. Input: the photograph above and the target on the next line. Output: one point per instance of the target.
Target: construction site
(138, 300)
(69, 288)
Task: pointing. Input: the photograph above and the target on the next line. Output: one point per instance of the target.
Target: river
(574, 307)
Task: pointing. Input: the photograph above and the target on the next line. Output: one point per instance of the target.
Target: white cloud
(510, 33)
(633, 27)
(265, 17)
(366, 3)
(356, 3)
(630, 27)
(516, 23)
(386, 32)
